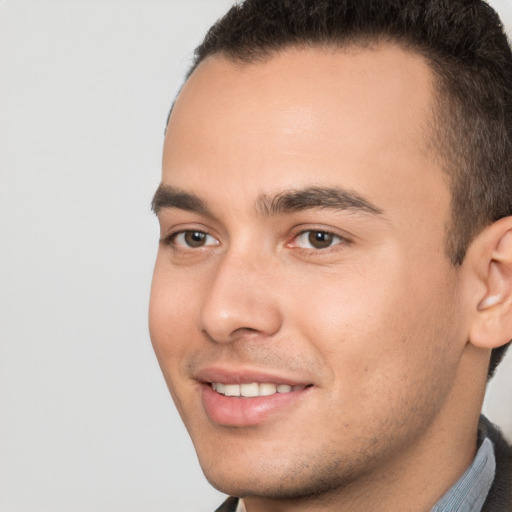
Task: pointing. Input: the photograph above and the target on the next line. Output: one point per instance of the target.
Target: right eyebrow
(333, 198)
(172, 197)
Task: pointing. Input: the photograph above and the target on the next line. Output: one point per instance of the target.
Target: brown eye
(194, 238)
(317, 239)
(320, 239)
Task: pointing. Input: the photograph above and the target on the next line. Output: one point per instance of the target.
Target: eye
(193, 239)
(316, 239)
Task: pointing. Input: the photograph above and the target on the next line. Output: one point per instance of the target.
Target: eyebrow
(171, 197)
(332, 198)
(289, 201)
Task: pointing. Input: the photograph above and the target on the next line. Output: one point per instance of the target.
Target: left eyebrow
(171, 197)
(332, 198)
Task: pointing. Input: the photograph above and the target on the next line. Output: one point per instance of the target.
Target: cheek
(171, 308)
(378, 330)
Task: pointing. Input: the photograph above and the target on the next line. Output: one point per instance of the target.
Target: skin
(377, 323)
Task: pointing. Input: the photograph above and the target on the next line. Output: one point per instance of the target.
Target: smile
(253, 389)
(249, 403)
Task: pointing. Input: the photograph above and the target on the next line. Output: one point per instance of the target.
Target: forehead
(357, 118)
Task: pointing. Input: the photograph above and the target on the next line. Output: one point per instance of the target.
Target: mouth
(254, 389)
(244, 399)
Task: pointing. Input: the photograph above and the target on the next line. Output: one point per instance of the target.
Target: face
(303, 311)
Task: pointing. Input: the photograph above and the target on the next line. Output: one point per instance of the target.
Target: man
(333, 285)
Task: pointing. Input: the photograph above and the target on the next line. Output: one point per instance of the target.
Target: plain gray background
(86, 423)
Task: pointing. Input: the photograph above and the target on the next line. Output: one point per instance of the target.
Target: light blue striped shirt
(472, 488)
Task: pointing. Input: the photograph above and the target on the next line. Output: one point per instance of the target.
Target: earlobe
(492, 324)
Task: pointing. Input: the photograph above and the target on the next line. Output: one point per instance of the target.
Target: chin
(282, 479)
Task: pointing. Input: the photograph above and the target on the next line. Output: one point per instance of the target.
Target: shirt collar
(472, 488)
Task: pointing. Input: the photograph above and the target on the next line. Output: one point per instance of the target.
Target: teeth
(232, 389)
(249, 390)
(267, 389)
(253, 389)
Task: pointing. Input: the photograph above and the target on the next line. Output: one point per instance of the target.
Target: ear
(491, 254)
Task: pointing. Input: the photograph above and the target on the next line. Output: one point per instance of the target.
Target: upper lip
(246, 376)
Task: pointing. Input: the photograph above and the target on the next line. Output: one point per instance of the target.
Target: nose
(240, 299)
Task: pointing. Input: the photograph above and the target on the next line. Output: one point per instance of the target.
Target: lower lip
(245, 412)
